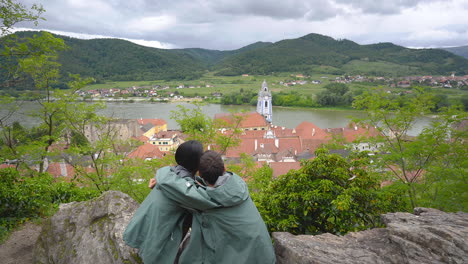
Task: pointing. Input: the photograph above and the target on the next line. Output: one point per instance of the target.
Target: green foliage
(240, 98)
(464, 101)
(336, 94)
(194, 123)
(133, 177)
(23, 197)
(328, 194)
(460, 51)
(292, 98)
(317, 53)
(12, 13)
(429, 164)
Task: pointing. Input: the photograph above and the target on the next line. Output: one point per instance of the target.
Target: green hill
(120, 60)
(460, 51)
(318, 53)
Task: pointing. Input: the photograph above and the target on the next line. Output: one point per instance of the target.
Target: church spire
(264, 106)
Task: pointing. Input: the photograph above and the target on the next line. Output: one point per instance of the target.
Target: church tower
(264, 103)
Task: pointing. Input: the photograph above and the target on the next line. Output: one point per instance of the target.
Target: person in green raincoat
(156, 228)
(232, 233)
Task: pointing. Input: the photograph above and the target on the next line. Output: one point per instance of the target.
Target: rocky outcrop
(427, 236)
(88, 232)
(91, 232)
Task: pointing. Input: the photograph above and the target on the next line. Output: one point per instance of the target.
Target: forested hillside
(317, 53)
(120, 60)
(460, 51)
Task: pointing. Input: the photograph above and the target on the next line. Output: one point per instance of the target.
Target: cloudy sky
(232, 24)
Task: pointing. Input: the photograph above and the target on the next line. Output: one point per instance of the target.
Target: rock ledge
(427, 236)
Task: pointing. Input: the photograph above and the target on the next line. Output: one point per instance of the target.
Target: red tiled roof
(153, 121)
(168, 134)
(247, 145)
(307, 130)
(145, 151)
(253, 119)
(283, 132)
(61, 169)
(290, 143)
(353, 132)
(142, 138)
(253, 133)
(265, 148)
(312, 144)
(281, 168)
(4, 166)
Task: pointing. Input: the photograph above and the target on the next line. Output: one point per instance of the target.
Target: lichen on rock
(427, 236)
(88, 232)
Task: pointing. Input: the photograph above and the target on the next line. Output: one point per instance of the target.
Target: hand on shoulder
(152, 183)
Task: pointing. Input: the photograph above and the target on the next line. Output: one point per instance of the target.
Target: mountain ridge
(460, 51)
(122, 60)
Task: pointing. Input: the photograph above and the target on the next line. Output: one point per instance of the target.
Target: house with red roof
(249, 121)
(61, 169)
(357, 136)
(151, 126)
(167, 140)
(146, 151)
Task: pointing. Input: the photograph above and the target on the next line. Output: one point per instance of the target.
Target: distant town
(159, 93)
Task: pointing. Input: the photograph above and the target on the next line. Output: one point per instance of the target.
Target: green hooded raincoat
(156, 227)
(233, 233)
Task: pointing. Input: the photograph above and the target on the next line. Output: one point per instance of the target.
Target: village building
(167, 140)
(147, 151)
(118, 129)
(152, 126)
(248, 121)
(264, 106)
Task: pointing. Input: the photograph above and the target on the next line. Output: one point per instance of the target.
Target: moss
(115, 252)
(136, 258)
(100, 222)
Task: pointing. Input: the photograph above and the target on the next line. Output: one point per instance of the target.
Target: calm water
(287, 117)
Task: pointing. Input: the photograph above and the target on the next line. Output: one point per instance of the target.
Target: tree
(327, 194)
(337, 88)
(336, 94)
(36, 57)
(427, 164)
(12, 13)
(219, 134)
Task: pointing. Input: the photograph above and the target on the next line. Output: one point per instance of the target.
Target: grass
(379, 67)
(231, 84)
(226, 84)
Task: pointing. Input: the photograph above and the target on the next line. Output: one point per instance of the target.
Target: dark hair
(211, 166)
(188, 155)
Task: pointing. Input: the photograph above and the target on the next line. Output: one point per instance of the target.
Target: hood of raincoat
(229, 190)
(181, 171)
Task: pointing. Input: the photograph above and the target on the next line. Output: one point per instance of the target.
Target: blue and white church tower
(264, 103)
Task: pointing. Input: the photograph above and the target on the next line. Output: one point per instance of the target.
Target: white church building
(264, 106)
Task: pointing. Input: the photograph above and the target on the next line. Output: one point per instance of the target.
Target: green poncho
(156, 227)
(234, 233)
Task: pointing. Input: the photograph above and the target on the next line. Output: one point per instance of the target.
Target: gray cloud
(385, 7)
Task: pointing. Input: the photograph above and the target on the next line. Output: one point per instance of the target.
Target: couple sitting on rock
(226, 227)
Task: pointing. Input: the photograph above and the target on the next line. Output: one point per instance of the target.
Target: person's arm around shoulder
(185, 192)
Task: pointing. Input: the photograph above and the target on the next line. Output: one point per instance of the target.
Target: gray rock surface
(427, 236)
(91, 232)
(88, 232)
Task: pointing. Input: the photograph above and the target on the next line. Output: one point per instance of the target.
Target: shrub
(328, 194)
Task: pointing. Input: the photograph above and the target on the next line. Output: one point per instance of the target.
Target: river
(282, 116)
